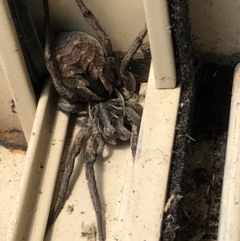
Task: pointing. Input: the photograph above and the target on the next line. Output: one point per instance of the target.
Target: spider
(87, 74)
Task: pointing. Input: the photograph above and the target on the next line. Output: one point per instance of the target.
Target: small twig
(190, 137)
(168, 204)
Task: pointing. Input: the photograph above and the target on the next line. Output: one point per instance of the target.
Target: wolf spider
(87, 73)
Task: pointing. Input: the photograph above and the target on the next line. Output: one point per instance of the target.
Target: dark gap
(29, 42)
(195, 179)
(202, 182)
(186, 68)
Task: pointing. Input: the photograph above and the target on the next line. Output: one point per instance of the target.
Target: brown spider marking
(89, 231)
(13, 106)
(70, 209)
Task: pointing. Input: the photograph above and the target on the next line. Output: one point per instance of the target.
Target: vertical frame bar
(159, 31)
(229, 223)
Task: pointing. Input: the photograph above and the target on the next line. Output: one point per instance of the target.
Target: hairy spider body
(83, 67)
(86, 72)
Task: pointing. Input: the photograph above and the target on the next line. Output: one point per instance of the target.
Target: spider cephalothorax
(82, 67)
(86, 72)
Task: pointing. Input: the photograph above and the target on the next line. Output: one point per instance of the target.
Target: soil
(202, 182)
(13, 139)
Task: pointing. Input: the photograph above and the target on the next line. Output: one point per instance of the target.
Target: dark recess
(213, 96)
(202, 182)
(185, 75)
(29, 41)
(203, 116)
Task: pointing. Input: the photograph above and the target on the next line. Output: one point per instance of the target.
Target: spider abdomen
(82, 66)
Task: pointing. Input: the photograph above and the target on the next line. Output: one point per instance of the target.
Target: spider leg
(115, 106)
(133, 116)
(92, 21)
(123, 133)
(135, 120)
(66, 106)
(73, 153)
(94, 149)
(64, 92)
(132, 50)
(134, 139)
(104, 123)
(135, 106)
(127, 78)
